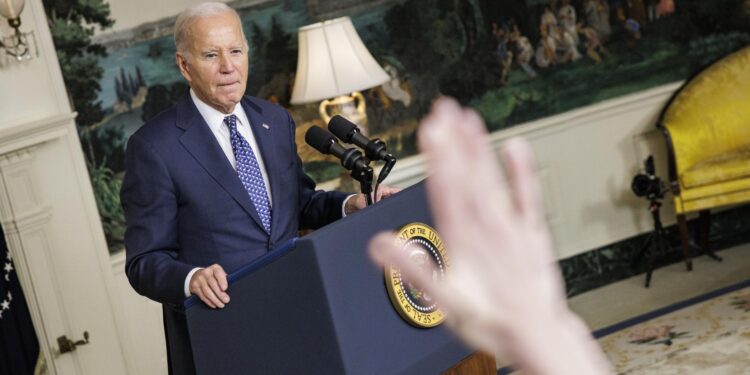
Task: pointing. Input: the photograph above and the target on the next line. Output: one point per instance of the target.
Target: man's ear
(183, 65)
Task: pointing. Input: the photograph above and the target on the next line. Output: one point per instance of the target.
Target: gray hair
(195, 12)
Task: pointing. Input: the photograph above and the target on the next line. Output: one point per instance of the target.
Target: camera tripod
(656, 242)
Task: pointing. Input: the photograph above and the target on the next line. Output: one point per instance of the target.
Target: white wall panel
(587, 159)
(33, 89)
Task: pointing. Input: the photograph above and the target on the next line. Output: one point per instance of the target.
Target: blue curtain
(19, 347)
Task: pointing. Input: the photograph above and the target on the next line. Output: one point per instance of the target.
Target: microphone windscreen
(319, 139)
(341, 128)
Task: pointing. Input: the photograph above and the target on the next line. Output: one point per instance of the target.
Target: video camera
(647, 184)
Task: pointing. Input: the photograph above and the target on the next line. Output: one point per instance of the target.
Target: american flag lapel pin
(266, 126)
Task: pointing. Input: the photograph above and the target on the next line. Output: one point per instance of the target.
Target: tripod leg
(650, 260)
(644, 250)
(648, 275)
(685, 235)
(705, 225)
(660, 248)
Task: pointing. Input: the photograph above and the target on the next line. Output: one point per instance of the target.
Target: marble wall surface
(614, 262)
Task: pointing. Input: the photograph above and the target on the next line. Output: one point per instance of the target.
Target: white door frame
(52, 228)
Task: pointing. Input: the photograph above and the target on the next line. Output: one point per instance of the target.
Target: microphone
(351, 159)
(348, 132)
(323, 141)
(375, 149)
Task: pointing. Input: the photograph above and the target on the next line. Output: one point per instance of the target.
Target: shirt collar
(213, 117)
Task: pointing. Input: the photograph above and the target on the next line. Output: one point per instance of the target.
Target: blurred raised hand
(504, 292)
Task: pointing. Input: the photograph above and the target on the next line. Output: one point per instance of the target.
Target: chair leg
(705, 225)
(685, 236)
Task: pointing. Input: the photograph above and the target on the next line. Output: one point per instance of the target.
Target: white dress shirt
(215, 121)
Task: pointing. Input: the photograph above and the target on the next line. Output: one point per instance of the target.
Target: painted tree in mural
(273, 59)
(72, 24)
(161, 97)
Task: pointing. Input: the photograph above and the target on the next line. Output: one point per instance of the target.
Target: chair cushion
(713, 196)
(727, 166)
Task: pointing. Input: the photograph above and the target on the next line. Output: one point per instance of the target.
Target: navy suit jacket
(186, 207)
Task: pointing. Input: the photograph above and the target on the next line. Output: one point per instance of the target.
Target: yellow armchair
(707, 129)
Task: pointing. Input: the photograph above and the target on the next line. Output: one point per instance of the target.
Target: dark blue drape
(19, 347)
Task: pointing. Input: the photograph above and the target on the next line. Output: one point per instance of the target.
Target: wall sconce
(16, 45)
(333, 65)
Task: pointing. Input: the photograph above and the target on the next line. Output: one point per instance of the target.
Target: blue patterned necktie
(249, 172)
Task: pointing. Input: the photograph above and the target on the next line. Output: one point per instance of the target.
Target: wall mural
(513, 60)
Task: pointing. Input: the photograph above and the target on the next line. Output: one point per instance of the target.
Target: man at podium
(215, 181)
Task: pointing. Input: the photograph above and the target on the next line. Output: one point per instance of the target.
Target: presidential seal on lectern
(425, 248)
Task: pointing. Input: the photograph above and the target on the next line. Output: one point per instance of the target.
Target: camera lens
(641, 185)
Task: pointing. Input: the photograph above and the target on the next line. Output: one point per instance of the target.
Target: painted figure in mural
(631, 26)
(505, 292)
(567, 18)
(394, 88)
(524, 51)
(594, 48)
(597, 17)
(504, 55)
(548, 21)
(542, 57)
(566, 46)
(215, 181)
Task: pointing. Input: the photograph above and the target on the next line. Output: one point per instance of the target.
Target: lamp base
(352, 107)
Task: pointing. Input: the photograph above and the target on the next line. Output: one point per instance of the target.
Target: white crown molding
(24, 134)
(411, 170)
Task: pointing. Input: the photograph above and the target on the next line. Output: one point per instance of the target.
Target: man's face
(216, 61)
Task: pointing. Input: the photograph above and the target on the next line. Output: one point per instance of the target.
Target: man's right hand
(210, 285)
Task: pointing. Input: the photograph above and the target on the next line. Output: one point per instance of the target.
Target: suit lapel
(201, 143)
(264, 133)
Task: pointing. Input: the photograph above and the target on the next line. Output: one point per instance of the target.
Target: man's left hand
(359, 201)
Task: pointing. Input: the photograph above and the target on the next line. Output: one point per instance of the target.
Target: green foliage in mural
(107, 193)
(110, 142)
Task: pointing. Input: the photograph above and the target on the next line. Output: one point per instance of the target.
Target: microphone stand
(363, 174)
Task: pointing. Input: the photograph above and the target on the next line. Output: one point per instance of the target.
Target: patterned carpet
(708, 334)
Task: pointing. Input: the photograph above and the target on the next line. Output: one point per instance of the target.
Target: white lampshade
(333, 61)
(11, 9)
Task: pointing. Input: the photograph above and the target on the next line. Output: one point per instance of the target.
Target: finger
(199, 292)
(213, 283)
(221, 277)
(360, 201)
(209, 295)
(485, 191)
(480, 157)
(464, 174)
(385, 252)
(518, 160)
(444, 163)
